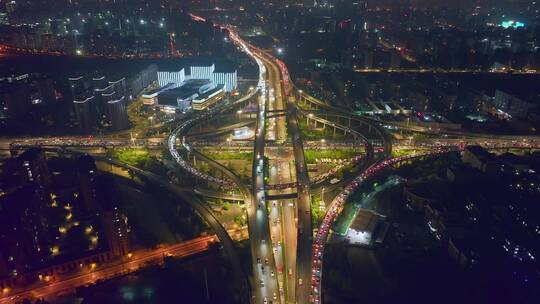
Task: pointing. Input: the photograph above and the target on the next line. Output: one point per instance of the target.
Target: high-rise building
(116, 230)
(227, 78)
(202, 72)
(23, 231)
(143, 79)
(23, 225)
(102, 94)
(117, 113)
(77, 85)
(15, 100)
(120, 87)
(106, 99)
(99, 82)
(512, 105)
(85, 111)
(86, 173)
(34, 168)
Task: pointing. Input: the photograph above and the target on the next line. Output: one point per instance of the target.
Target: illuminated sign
(512, 24)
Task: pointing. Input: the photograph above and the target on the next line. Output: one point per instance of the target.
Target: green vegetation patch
(130, 156)
(228, 155)
(317, 215)
(139, 158)
(402, 152)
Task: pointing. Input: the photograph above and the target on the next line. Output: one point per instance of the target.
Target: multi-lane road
(285, 261)
(138, 260)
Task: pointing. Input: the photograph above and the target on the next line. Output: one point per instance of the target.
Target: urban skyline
(269, 151)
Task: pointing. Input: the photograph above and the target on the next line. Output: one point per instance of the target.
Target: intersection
(286, 255)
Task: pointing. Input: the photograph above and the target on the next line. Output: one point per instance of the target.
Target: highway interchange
(286, 255)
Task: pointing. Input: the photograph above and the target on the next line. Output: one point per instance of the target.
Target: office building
(176, 78)
(202, 72)
(181, 98)
(228, 79)
(150, 98)
(208, 98)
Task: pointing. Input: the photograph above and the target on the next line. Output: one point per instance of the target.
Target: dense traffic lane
(281, 174)
(303, 255)
(263, 254)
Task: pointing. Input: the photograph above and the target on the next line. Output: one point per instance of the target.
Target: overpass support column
(334, 131)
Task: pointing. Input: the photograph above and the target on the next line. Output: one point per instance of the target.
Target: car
(266, 261)
(275, 296)
(262, 283)
(290, 271)
(299, 281)
(258, 260)
(272, 274)
(265, 300)
(334, 181)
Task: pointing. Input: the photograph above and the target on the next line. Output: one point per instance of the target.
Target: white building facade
(177, 78)
(229, 80)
